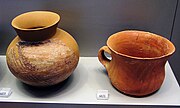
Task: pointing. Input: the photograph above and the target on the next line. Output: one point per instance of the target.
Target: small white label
(102, 95)
(5, 92)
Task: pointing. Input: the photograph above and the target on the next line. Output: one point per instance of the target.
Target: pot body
(43, 62)
(136, 77)
(138, 61)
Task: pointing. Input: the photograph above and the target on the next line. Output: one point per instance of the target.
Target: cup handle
(102, 58)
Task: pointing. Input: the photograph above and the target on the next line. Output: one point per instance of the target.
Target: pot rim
(31, 12)
(141, 58)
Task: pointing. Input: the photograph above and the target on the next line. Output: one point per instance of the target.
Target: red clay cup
(138, 61)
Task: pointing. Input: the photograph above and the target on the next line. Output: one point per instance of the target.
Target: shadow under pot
(138, 61)
(41, 54)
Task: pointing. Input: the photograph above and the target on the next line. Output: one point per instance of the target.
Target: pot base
(136, 96)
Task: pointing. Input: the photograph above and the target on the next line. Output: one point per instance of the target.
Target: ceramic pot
(137, 67)
(41, 54)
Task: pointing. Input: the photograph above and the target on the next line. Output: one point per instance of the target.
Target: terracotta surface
(46, 62)
(36, 25)
(138, 61)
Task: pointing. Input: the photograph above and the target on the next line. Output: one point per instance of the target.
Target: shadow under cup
(138, 44)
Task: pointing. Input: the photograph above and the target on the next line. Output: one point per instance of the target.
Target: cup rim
(141, 58)
(31, 12)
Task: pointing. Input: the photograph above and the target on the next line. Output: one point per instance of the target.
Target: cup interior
(35, 20)
(140, 44)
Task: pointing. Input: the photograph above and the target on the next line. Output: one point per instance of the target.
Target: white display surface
(81, 88)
